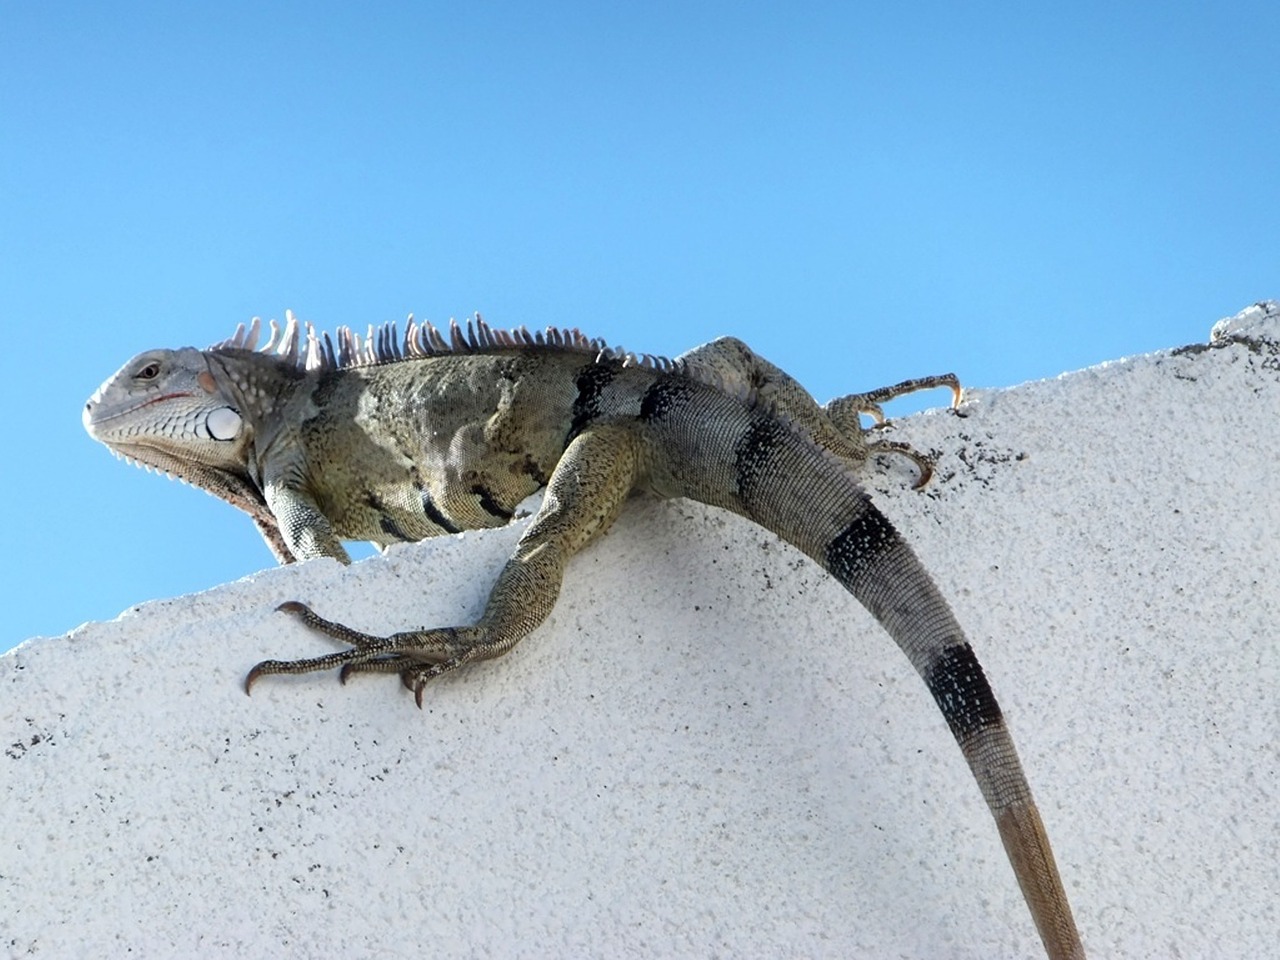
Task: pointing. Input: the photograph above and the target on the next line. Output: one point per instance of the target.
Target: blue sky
(864, 192)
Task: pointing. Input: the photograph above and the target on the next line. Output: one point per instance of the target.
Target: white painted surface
(709, 750)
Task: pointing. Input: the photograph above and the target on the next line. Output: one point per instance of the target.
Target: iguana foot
(417, 655)
(845, 414)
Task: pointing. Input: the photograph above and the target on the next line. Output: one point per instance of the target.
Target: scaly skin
(374, 441)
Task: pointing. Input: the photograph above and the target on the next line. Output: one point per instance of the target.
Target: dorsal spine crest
(299, 344)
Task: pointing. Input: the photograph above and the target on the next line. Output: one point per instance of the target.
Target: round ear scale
(223, 424)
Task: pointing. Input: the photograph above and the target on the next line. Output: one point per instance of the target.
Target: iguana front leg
(302, 526)
(586, 491)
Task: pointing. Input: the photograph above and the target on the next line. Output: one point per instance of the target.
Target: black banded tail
(785, 482)
(886, 577)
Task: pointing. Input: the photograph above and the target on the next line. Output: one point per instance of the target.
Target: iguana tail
(880, 569)
(785, 482)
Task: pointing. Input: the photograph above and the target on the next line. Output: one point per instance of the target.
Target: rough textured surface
(709, 749)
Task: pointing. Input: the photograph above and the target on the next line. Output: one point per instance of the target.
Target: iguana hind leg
(585, 493)
(837, 425)
(731, 364)
(846, 412)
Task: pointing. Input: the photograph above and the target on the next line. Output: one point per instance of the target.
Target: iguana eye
(149, 372)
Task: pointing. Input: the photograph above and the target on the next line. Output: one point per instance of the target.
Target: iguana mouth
(92, 421)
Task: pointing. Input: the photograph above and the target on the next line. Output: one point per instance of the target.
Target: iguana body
(387, 440)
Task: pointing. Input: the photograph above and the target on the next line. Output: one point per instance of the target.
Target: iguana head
(195, 415)
(170, 410)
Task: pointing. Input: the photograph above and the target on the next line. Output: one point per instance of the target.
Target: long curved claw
(926, 474)
(417, 679)
(420, 674)
(924, 463)
(956, 392)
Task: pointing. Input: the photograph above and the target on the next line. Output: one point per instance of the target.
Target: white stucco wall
(709, 749)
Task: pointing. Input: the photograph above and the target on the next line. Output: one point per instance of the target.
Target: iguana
(387, 438)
